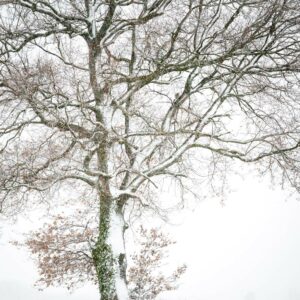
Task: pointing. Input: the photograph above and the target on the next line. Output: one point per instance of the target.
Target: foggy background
(247, 249)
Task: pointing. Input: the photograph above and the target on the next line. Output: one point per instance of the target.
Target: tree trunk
(109, 253)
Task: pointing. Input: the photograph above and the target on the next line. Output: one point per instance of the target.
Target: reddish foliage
(63, 254)
(145, 277)
(62, 251)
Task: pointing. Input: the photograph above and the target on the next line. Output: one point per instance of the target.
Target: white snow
(117, 244)
(121, 289)
(92, 20)
(116, 233)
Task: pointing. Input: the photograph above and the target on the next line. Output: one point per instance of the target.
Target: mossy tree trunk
(103, 256)
(109, 252)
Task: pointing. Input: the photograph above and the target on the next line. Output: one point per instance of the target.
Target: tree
(111, 97)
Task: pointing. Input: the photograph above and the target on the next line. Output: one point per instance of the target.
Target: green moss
(104, 263)
(103, 257)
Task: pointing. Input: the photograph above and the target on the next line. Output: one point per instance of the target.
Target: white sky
(248, 249)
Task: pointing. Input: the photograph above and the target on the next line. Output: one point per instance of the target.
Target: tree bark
(109, 252)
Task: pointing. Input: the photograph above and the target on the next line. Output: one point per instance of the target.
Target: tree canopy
(111, 97)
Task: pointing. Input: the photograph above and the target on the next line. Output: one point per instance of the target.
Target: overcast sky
(248, 249)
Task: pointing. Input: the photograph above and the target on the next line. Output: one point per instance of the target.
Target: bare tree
(112, 96)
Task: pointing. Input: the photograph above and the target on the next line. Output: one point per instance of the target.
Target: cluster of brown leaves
(62, 250)
(145, 278)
